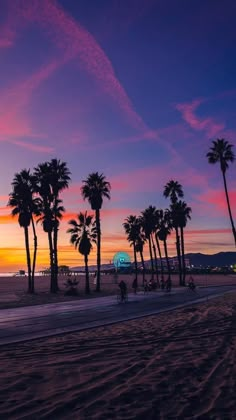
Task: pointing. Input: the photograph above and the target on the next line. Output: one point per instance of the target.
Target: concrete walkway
(31, 322)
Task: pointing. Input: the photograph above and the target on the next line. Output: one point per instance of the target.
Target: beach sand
(13, 290)
(177, 365)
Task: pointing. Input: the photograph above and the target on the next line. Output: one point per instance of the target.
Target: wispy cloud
(210, 125)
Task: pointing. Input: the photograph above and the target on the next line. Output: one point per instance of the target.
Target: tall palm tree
(50, 179)
(158, 216)
(43, 188)
(174, 190)
(25, 205)
(95, 188)
(182, 214)
(132, 229)
(83, 233)
(148, 220)
(164, 230)
(59, 181)
(221, 151)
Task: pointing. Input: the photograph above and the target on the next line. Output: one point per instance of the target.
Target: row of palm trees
(37, 197)
(154, 225)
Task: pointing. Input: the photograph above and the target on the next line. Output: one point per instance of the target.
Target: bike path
(31, 322)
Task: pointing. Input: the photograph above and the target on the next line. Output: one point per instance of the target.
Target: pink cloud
(75, 41)
(209, 125)
(217, 199)
(143, 179)
(32, 147)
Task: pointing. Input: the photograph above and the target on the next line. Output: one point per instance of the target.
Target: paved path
(21, 324)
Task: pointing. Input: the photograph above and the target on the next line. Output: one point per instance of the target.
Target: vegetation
(95, 188)
(83, 233)
(221, 152)
(25, 205)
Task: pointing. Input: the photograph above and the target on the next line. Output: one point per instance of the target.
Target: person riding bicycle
(123, 290)
(191, 283)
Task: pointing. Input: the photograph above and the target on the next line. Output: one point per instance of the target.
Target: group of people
(151, 285)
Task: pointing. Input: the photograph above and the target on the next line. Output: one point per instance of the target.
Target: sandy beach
(13, 290)
(178, 365)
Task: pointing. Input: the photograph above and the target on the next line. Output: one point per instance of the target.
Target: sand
(13, 290)
(177, 365)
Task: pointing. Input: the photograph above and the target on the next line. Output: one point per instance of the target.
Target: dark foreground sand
(178, 365)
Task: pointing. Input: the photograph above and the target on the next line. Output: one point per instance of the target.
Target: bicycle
(122, 299)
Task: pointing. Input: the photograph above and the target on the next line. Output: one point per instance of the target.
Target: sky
(136, 90)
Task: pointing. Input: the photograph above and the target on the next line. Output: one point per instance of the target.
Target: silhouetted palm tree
(221, 151)
(25, 205)
(148, 222)
(82, 236)
(50, 179)
(132, 229)
(59, 181)
(43, 188)
(164, 230)
(158, 216)
(182, 213)
(174, 190)
(95, 188)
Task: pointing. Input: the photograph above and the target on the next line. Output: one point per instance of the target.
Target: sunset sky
(134, 89)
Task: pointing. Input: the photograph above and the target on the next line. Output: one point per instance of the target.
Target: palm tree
(221, 151)
(164, 230)
(82, 236)
(148, 221)
(50, 179)
(132, 229)
(43, 188)
(182, 214)
(59, 180)
(94, 189)
(174, 190)
(25, 205)
(158, 215)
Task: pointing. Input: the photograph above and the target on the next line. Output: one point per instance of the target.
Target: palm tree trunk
(178, 255)
(151, 257)
(87, 286)
(183, 256)
(55, 268)
(98, 226)
(28, 259)
(135, 263)
(229, 209)
(143, 265)
(159, 252)
(52, 284)
(35, 252)
(155, 256)
(167, 258)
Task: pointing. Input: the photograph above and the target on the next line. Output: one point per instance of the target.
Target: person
(135, 285)
(191, 283)
(168, 284)
(95, 278)
(162, 284)
(123, 290)
(145, 285)
(150, 285)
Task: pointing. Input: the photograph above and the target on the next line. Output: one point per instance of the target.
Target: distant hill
(220, 259)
